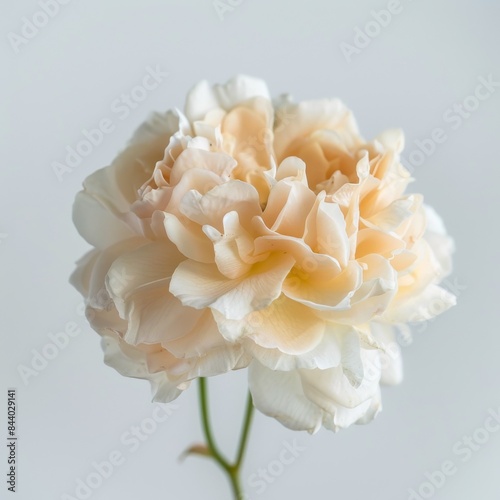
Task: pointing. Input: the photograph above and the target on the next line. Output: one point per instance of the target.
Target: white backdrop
(415, 71)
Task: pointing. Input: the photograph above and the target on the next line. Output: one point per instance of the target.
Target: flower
(247, 233)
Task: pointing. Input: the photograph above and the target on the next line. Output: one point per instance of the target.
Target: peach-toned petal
(324, 288)
(302, 119)
(285, 325)
(210, 208)
(189, 239)
(203, 285)
(289, 203)
(219, 163)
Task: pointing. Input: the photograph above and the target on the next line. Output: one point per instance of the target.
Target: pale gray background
(427, 59)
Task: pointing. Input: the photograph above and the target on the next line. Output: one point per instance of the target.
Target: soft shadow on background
(417, 69)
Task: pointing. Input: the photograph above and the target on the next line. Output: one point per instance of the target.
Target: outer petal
(204, 98)
(326, 354)
(90, 275)
(391, 359)
(132, 362)
(280, 395)
(138, 283)
(442, 245)
(429, 303)
(239, 89)
(96, 224)
(330, 388)
(117, 185)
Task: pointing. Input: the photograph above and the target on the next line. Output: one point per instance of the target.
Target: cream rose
(270, 236)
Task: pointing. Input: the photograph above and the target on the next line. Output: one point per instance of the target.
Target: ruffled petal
(285, 325)
(138, 284)
(202, 285)
(279, 395)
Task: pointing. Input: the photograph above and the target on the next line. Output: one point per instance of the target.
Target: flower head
(247, 233)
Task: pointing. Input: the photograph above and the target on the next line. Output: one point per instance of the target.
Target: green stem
(232, 470)
(206, 426)
(234, 479)
(246, 431)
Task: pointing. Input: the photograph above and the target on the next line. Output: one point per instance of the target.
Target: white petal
(204, 98)
(392, 139)
(326, 354)
(159, 125)
(200, 100)
(442, 245)
(428, 304)
(81, 276)
(218, 361)
(132, 362)
(116, 186)
(391, 359)
(240, 89)
(90, 275)
(373, 409)
(279, 395)
(138, 283)
(342, 417)
(96, 224)
(352, 364)
(330, 388)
